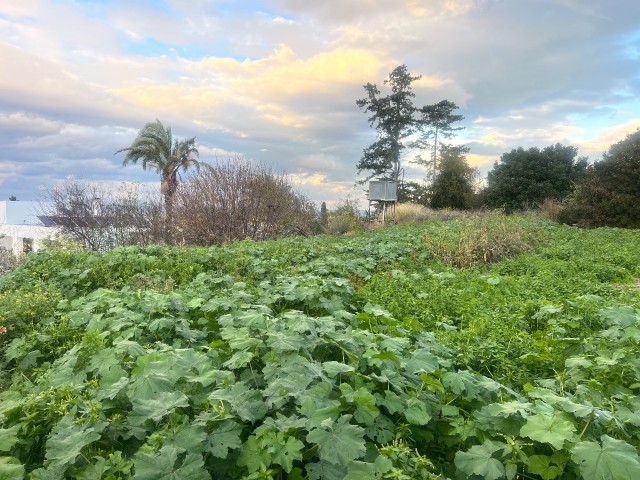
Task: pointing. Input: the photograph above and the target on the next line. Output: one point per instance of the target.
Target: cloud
(595, 146)
(277, 80)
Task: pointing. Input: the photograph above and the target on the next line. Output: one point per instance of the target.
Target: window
(27, 245)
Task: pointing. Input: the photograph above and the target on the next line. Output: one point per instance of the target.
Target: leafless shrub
(100, 217)
(235, 200)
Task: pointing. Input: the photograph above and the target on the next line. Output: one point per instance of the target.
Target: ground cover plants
(367, 356)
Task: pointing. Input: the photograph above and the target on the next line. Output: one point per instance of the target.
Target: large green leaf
(479, 461)
(392, 402)
(169, 464)
(416, 412)
(339, 442)
(185, 437)
(363, 470)
(622, 316)
(334, 368)
(325, 471)
(614, 460)
(246, 402)
(554, 429)
(253, 454)
(287, 451)
(11, 469)
(155, 409)
(65, 444)
(8, 437)
(224, 438)
(422, 360)
(149, 385)
(541, 465)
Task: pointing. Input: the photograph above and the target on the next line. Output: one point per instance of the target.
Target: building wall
(20, 228)
(17, 237)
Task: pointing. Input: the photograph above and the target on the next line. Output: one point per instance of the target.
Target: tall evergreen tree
(392, 115)
(436, 123)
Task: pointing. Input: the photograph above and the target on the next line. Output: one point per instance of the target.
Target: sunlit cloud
(479, 161)
(276, 81)
(594, 147)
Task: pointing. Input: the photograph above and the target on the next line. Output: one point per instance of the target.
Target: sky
(276, 81)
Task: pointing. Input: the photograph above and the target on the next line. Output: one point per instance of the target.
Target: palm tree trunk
(168, 187)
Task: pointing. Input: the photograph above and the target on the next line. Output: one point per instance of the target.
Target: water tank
(385, 191)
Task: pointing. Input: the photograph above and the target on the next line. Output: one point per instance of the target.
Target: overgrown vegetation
(328, 358)
(481, 240)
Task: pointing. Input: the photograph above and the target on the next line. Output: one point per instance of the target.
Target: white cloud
(595, 146)
(278, 83)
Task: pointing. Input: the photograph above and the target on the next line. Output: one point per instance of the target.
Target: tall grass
(483, 240)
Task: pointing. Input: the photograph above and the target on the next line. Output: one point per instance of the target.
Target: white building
(24, 226)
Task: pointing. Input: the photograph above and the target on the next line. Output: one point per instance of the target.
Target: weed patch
(482, 241)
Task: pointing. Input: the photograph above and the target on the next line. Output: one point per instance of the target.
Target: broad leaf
(11, 469)
(253, 455)
(8, 437)
(392, 402)
(149, 386)
(288, 452)
(614, 460)
(333, 368)
(224, 438)
(622, 316)
(422, 360)
(554, 430)
(186, 437)
(479, 461)
(362, 470)
(416, 412)
(168, 464)
(325, 471)
(164, 404)
(340, 442)
(540, 465)
(64, 446)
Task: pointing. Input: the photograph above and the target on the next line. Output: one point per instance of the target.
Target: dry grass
(408, 213)
(550, 209)
(483, 240)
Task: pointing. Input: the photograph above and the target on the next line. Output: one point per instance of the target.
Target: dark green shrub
(609, 194)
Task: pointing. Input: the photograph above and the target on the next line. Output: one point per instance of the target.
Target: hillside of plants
(489, 347)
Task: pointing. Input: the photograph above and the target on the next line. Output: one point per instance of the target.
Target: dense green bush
(523, 179)
(609, 194)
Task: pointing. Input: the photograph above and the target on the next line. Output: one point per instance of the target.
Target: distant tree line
(235, 199)
(212, 204)
(606, 193)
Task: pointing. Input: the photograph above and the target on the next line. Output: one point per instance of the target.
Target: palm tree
(157, 150)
